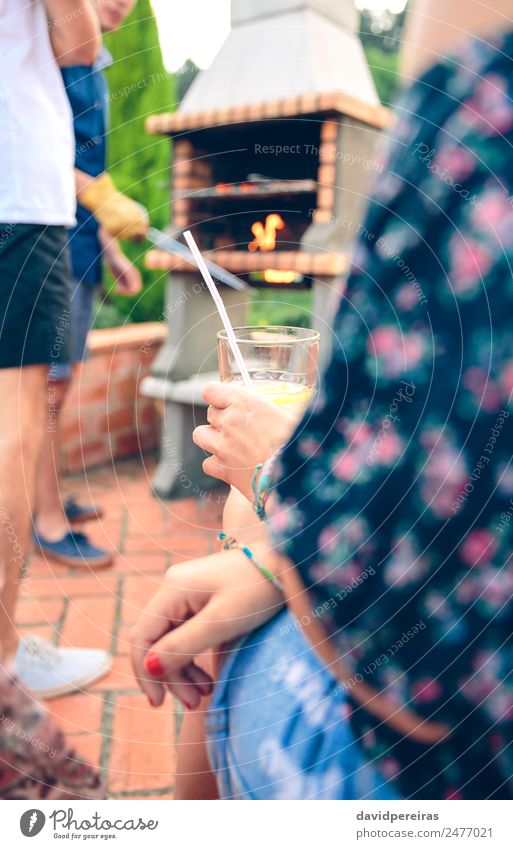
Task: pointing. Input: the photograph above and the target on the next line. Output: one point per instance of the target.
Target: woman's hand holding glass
(245, 428)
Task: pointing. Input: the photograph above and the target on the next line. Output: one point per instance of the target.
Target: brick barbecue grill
(272, 153)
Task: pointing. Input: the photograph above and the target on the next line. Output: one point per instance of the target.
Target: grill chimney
(284, 48)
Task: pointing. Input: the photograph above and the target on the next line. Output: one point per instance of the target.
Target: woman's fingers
(166, 610)
(223, 395)
(173, 655)
(153, 689)
(200, 677)
(163, 650)
(215, 417)
(208, 438)
(181, 685)
(190, 685)
(212, 466)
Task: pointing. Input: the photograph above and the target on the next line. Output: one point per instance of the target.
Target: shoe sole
(83, 563)
(85, 517)
(78, 684)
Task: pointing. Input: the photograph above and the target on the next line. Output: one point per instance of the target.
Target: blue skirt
(277, 727)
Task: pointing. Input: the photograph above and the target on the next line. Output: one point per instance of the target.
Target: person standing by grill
(37, 204)
(56, 519)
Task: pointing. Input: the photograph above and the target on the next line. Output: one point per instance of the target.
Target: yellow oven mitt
(121, 216)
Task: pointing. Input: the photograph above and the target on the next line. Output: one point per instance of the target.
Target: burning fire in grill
(265, 234)
(265, 240)
(274, 275)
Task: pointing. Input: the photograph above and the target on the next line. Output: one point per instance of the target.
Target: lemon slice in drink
(284, 393)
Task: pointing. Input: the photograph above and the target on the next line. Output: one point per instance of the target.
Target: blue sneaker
(74, 549)
(49, 672)
(77, 513)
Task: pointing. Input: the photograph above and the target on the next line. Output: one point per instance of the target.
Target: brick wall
(104, 417)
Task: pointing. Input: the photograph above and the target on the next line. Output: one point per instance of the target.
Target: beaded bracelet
(261, 486)
(230, 542)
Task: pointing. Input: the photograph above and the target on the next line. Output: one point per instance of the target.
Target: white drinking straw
(207, 277)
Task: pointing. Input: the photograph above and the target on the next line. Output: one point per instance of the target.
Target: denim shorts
(277, 727)
(82, 301)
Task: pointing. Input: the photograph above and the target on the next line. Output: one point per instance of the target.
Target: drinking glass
(282, 362)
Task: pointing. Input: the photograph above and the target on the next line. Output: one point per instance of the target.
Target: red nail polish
(153, 664)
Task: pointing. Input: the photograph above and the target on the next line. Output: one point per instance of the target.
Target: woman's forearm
(240, 520)
(74, 31)
(435, 28)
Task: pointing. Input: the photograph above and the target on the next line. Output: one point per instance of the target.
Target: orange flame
(265, 234)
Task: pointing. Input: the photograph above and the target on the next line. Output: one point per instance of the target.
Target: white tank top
(37, 184)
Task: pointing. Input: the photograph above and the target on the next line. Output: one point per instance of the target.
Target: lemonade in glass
(282, 362)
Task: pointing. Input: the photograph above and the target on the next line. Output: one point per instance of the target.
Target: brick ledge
(335, 102)
(128, 336)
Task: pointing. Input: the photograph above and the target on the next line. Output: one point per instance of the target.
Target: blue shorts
(82, 300)
(277, 727)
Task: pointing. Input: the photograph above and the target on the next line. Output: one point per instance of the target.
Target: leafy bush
(384, 65)
(274, 306)
(139, 163)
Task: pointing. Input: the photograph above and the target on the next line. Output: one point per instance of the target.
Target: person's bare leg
(21, 425)
(49, 511)
(194, 776)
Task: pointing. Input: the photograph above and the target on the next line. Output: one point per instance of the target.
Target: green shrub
(139, 163)
(273, 306)
(384, 65)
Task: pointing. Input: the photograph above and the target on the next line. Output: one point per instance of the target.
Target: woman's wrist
(230, 542)
(261, 483)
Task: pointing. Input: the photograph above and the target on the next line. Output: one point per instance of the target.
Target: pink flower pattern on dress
(429, 518)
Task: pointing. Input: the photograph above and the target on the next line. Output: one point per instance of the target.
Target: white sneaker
(49, 672)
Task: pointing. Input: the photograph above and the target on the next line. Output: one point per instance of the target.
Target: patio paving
(112, 724)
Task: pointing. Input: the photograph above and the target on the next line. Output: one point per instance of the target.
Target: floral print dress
(394, 498)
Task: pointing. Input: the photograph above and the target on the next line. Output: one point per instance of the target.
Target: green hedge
(139, 163)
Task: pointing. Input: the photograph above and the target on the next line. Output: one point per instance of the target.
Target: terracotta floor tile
(137, 593)
(40, 565)
(46, 632)
(143, 543)
(88, 747)
(93, 584)
(183, 512)
(103, 533)
(33, 611)
(89, 622)
(142, 564)
(152, 534)
(79, 713)
(122, 646)
(120, 678)
(195, 543)
(143, 746)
